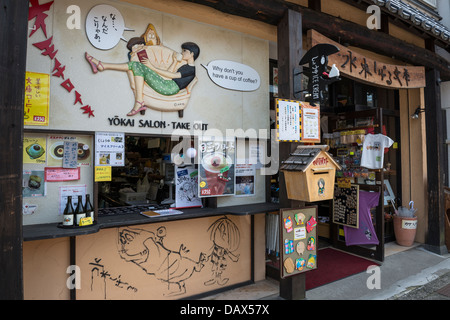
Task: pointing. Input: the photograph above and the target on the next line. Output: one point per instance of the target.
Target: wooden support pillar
(13, 39)
(290, 52)
(435, 239)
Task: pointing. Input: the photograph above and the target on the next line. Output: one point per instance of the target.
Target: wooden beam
(434, 116)
(336, 28)
(315, 5)
(290, 52)
(13, 37)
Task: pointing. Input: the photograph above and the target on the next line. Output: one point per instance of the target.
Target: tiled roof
(416, 17)
(300, 159)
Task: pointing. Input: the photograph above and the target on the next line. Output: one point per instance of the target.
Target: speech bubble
(105, 26)
(233, 75)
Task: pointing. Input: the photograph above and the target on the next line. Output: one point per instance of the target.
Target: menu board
(346, 206)
(298, 240)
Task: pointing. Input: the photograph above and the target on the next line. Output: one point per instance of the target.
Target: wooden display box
(309, 174)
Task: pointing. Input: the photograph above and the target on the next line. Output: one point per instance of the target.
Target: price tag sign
(102, 174)
(86, 221)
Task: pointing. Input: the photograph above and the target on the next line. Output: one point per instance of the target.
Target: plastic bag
(407, 212)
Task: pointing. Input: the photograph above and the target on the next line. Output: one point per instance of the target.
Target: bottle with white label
(88, 208)
(79, 211)
(68, 215)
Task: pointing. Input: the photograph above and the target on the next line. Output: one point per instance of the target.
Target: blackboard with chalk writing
(346, 206)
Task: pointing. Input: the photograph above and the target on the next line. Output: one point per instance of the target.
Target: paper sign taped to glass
(216, 166)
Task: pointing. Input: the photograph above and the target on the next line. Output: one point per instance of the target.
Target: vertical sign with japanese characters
(36, 102)
(109, 149)
(70, 154)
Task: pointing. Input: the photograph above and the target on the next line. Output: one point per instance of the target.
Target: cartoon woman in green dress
(166, 82)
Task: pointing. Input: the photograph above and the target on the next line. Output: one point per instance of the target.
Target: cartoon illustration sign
(186, 188)
(161, 78)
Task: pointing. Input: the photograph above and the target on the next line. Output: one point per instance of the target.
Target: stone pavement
(408, 273)
(438, 289)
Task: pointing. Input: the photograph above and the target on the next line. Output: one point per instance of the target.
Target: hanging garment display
(365, 234)
(373, 150)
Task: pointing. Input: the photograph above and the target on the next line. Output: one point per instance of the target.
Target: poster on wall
(37, 96)
(56, 150)
(217, 166)
(298, 240)
(53, 174)
(310, 126)
(297, 121)
(288, 120)
(245, 180)
(186, 187)
(34, 150)
(33, 184)
(109, 149)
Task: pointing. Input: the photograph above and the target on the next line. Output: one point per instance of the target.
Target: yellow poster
(103, 173)
(36, 103)
(34, 149)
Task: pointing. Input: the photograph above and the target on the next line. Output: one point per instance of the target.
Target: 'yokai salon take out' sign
(362, 68)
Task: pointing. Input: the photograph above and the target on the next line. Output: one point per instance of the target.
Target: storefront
(177, 199)
(181, 181)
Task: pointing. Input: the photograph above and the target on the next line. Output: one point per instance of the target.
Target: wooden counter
(51, 230)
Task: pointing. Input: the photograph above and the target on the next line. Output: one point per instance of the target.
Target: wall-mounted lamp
(416, 113)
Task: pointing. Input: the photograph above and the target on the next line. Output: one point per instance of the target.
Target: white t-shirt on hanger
(373, 150)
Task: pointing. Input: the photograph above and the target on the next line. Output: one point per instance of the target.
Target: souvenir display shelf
(347, 151)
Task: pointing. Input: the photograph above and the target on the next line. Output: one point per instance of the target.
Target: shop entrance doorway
(360, 219)
(353, 111)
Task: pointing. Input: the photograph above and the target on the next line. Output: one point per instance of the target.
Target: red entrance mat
(333, 265)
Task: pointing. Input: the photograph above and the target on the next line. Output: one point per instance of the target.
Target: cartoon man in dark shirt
(166, 82)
